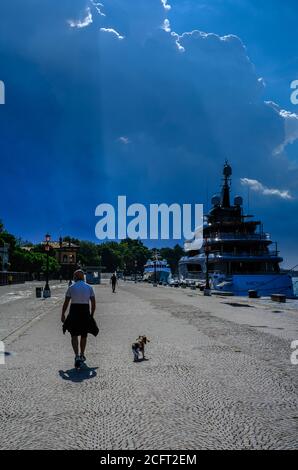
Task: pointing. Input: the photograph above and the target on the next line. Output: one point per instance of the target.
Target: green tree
(73, 240)
(172, 255)
(8, 238)
(29, 261)
(111, 257)
(134, 254)
(89, 254)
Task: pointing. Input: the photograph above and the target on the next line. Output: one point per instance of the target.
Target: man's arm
(93, 305)
(64, 308)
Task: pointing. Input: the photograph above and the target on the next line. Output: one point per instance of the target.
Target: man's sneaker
(83, 358)
(78, 362)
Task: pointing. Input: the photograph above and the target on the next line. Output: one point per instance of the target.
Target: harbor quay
(218, 373)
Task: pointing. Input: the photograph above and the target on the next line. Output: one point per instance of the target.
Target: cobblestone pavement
(217, 375)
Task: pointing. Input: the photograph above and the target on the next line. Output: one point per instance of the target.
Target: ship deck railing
(239, 236)
(243, 254)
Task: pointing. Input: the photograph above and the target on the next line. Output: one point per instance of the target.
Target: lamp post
(70, 260)
(47, 290)
(156, 255)
(207, 250)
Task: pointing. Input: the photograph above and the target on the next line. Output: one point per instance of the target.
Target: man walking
(79, 321)
(113, 282)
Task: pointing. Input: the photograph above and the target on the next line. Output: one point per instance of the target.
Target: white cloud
(217, 108)
(165, 4)
(166, 26)
(177, 38)
(255, 185)
(112, 31)
(98, 7)
(82, 23)
(188, 38)
(124, 140)
(290, 126)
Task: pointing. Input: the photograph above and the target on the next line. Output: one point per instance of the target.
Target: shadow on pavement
(80, 375)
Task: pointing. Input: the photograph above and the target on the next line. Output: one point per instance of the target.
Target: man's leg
(75, 344)
(83, 344)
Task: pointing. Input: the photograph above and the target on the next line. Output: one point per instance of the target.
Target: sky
(146, 98)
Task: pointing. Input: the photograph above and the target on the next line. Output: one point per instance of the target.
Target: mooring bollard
(253, 294)
(281, 298)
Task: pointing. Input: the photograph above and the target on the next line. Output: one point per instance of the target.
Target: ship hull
(161, 276)
(265, 285)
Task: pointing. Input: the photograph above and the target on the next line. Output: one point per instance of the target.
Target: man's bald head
(78, 275)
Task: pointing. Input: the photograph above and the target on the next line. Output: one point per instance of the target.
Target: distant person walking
(113, 282)
(79, 321)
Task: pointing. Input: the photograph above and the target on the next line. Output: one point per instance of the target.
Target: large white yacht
(236, 254)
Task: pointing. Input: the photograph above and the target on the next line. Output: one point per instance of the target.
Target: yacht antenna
(225, 192)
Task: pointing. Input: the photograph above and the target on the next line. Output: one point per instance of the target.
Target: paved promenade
(218, 374)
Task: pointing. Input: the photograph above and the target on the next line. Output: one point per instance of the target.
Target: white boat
(157, 271)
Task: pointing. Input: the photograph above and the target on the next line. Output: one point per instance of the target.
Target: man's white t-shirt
(80, 292)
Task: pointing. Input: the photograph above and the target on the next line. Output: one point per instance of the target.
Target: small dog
(139, 347)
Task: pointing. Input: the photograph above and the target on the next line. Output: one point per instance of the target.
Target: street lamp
(70, 261)
(156, 256)
(47, 290)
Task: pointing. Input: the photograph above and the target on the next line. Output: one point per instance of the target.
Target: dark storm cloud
(103, 101)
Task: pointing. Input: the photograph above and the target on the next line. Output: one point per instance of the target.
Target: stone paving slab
(210, 382)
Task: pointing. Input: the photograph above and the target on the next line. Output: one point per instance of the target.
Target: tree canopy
(127, 255)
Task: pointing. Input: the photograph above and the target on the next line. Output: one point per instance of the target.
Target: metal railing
(244, 254)
(239, 236)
